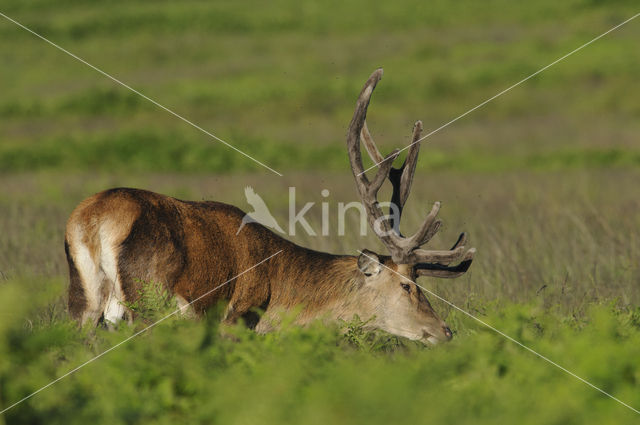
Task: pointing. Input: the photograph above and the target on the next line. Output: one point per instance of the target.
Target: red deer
(121, 237)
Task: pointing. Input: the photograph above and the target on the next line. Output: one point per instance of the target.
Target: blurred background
(544, 178)
(279, 81)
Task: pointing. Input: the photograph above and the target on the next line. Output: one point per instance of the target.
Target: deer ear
(369, 263)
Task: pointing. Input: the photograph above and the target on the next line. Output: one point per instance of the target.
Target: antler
(400, 178)
(404, 250)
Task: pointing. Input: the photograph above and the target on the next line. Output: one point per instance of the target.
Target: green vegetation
(122, 152)
(279, 81)
(544, 179)
(182, 371)
(556, 269)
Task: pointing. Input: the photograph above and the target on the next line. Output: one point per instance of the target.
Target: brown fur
(192, 247)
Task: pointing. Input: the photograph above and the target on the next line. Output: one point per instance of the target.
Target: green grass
(280, 83)
(544, 179)
(170, 153)
(574, 231)
(183, 371)
(556, 269)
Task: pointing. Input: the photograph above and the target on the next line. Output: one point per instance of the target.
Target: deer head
(402, 308)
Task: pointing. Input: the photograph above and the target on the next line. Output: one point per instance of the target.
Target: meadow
(544, 179)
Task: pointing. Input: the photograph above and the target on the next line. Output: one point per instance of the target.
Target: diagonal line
(508, 337)
(139, 94)
(135, 335)
(507, 89)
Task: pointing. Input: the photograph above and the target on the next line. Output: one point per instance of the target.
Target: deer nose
(447, 332)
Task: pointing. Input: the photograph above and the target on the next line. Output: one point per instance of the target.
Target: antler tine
(441, 269)
(438, 270)
(401, 180)
(429, 228)
(462, 239)
(440, 257)
(370, 145)
(409, 165)
(356, 126)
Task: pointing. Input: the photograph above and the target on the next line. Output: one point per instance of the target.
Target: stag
(119, 238)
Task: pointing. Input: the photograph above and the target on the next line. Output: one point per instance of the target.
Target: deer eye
(406, 287)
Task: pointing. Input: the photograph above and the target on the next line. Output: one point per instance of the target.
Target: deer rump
(119, 239)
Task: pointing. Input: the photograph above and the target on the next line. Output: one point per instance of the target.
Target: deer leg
(237, 309)
(243, 304)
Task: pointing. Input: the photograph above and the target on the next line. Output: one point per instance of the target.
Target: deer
(119, 238)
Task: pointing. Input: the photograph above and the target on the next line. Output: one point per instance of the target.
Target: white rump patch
(114, 309)
(91, 277)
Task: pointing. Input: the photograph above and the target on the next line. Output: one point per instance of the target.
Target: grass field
(544, 179)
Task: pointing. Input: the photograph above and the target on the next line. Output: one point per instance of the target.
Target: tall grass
(556, 269)
(183, 371)
(564, 237)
